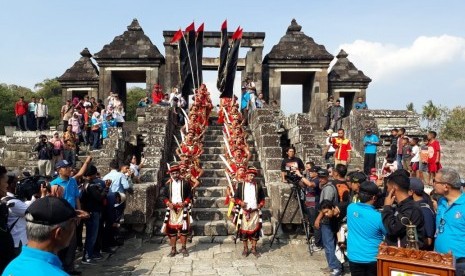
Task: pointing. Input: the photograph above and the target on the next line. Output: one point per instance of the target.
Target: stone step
(216, 191)
(218, 202)
(199, 214)
(219, 138)
(221, 181)
(216, 228)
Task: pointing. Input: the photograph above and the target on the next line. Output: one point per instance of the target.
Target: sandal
(245, 252)
(255, 252)
(173, 252)
(184, 252)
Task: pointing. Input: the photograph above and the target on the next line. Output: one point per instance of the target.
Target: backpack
(343, 191)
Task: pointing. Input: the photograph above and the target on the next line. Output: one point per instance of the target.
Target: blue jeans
(22, 118)
(92, 224)
(399, 161)
(95, 139)
(329, 244)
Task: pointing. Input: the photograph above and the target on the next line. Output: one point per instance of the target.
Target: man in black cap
(366, 231)
(370, 142)
(417, 192)
(51, 223)
(356, 178)
(44, 151)
(322, 222)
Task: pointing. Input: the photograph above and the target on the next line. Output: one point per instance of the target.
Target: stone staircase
(209, 211)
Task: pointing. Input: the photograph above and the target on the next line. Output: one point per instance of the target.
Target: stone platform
(220, 257)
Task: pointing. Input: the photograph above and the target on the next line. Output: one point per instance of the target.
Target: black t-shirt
(292, 162)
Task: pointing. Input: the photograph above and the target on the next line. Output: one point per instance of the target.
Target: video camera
(291, 175)
(27, 187)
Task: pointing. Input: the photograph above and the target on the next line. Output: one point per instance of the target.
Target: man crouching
(251, 198)
(176, 195)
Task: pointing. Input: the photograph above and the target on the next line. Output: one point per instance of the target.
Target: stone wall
(453, 155)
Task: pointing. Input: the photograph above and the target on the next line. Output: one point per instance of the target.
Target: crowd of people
(353, 212)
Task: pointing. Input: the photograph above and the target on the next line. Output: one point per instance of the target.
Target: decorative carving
(294, 27)
(415, 255)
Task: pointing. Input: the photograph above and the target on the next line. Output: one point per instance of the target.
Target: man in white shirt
(251, 198)
(176, 195)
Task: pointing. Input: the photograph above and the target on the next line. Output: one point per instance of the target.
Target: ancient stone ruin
(296, 59)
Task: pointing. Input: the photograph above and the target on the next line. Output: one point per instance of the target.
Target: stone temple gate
(296, 59)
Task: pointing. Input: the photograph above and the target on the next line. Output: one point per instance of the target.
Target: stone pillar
(274, 88)
(94, 92)
(172, 73)
(104, 83)
(257, 68)
(151, 78)
(320, 95)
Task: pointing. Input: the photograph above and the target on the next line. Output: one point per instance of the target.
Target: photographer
(44, 151)
(289, 162)
(17, 210)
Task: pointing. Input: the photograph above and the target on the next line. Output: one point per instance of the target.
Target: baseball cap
(62, 164)
(50, 210)
(416, 184)
(369, 188)
(358, 177)
(323, 173)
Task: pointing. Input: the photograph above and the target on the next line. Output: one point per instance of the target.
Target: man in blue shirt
(370, 142)
(360, 104)
(365, 231)
(450, 220)
(119, 181)
(71, 195)
(51, 224)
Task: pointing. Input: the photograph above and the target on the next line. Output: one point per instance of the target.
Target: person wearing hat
(328, 237)
(417, 192)
(365, 231)
(72, 196)
(44, 151)
(356, 178)
(251, 199)
(450, 220)
(370, 142)
(51, 224)
(329, 150)
(176, 195)
(92, 200)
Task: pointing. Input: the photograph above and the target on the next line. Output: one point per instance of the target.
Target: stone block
(141, 203)
(149, 174)
(272, 163)
(272, 176)
(279, 193)
(268, 141)
(271, 152)
(266, 129)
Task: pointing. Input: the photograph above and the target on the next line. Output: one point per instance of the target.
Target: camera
(291, 175)
(27, 187)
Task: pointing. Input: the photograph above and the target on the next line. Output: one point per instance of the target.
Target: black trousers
(366, 269)
(41, 122)
(369, 162)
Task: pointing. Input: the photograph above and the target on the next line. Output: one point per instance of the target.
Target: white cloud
(387, 61)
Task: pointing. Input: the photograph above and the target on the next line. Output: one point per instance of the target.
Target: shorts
(415, 166)
(423, 167)
(434, 167)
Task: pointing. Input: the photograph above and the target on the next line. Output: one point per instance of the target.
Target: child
(406, 153)
(424, 155)
(415, 162)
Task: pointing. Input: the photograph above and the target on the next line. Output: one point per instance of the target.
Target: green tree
(9, 95)
(410, 107)
(134, 95)
(48, 88)
(430, 113)
(453, 127)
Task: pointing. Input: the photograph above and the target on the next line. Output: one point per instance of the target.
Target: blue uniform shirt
(33, 261)
(365, 232)
(450, 223)
(71, 189)
(362, 105)
(370, 148)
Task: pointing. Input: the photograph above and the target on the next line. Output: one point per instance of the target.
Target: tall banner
(231, 65)
(223, 56)
(199, 54)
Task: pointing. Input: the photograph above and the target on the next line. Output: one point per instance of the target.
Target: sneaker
(109, 250)
(336, 272)
(88, 262)
(317, 248)
(97, 256)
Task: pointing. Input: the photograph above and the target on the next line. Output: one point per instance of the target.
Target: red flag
(191, 27)
(237, 34)
(224, 25)
(177, 36)
(200, 29)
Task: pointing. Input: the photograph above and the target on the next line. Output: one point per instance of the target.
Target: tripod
(305, 222)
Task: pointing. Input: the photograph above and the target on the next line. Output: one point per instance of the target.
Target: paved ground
(218, 257)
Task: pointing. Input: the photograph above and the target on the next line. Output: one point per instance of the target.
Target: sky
(413, 51)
